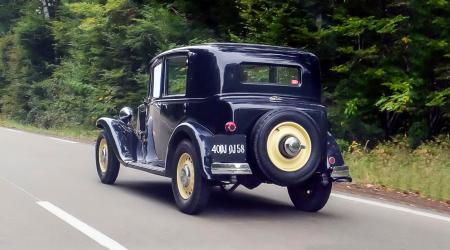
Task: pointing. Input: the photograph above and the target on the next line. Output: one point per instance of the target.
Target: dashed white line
(89, 231)
(392, 207)
(14, 185)
(62, 140)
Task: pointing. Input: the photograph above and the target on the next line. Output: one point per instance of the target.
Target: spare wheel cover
(286, 146)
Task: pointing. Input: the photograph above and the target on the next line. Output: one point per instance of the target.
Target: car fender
(121, 136)
(200, 136)
(339, 171)
(333, 151)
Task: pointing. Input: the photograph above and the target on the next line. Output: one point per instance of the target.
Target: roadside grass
(77, 133)
(425, 170)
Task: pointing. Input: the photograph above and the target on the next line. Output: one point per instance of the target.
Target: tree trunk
(49, 8)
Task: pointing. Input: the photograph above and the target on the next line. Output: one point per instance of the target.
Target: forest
(385, 63)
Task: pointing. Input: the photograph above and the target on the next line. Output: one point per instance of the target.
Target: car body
(228, 114)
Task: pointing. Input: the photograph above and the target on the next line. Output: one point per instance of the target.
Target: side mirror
(126, 115)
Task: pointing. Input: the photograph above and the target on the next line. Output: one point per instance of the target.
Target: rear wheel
(106, 161)
(190, 189)
(310, 196)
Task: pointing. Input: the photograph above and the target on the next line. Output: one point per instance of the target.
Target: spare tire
(286, 146)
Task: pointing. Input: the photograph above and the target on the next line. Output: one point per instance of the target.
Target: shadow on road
(227, 205)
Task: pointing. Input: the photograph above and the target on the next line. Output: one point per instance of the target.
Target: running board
(152, 167)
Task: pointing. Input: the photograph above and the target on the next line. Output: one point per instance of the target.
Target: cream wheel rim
(103, 155)
(277, 137)
(185, 176)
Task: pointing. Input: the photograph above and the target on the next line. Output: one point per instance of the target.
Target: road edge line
(12, 130)
(84, 228)
(62, 140)
(392, 207)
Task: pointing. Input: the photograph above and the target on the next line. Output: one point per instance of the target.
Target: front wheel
(106, 161)
(310, 196)
(190, 189)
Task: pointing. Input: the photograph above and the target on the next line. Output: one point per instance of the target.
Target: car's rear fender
(200, 137)
(335, 161)
(122, 136)
(333, 151)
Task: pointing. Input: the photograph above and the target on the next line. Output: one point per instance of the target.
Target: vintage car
(225, 115)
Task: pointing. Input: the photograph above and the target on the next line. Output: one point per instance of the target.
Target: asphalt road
(51, 198)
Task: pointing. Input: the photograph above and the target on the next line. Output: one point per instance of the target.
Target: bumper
(341, 174)
(230, 168)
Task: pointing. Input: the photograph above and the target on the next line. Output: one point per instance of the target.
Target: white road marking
(62, 140)
(13, 130)
(393, 207)
(53, 138)
(14, 185)
(89, 231)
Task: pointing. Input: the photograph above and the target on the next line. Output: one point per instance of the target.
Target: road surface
(51, 198)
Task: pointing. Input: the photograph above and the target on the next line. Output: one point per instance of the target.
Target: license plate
(229, 148)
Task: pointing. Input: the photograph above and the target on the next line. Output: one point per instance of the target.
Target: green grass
(425, 170)
(77, 133)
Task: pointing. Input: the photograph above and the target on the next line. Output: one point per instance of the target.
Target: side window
(156, 89)
(176, 75)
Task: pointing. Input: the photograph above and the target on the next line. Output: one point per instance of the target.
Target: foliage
(84, 134)
(385, 63)
(88, 61)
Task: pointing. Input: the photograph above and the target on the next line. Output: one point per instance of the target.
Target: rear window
(261, 74)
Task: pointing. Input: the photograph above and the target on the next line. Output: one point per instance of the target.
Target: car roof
(246, 48)
(215, 68)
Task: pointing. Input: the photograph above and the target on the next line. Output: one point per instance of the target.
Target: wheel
(190, 189)
(310, 196)
(106, 161)
(286, 146)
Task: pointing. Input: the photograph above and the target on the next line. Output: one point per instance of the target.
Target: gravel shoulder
(410, 199)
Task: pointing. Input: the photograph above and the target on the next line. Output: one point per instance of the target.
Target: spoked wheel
(190, 189)
(310, 196)
(106, 161)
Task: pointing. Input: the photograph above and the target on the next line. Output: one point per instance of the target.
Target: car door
(173, 104)
(154, 109)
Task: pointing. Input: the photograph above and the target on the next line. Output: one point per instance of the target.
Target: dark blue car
(227, 115)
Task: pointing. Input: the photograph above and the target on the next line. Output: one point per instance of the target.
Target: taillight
(230, 127)
(331, 160)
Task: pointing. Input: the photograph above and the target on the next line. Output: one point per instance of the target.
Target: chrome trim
(126, 115)
(230, 168)
(341, 174)
(185, 176)
(275, 98)
(290, 146)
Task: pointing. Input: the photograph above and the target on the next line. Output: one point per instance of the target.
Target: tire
(105, 159)
(297, 170)
(310, 196)
(191, 196)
